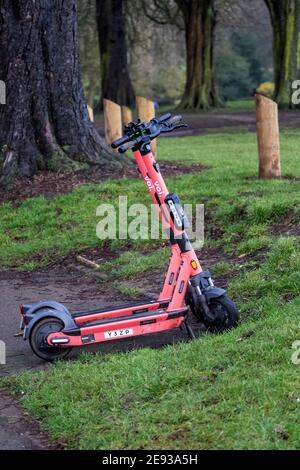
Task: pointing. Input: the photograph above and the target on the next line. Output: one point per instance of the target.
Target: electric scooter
(52, 330)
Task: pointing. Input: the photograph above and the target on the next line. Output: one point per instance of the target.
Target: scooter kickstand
(189, 330)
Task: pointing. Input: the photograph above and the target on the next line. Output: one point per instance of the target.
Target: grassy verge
(41, 229)
(240, 390)
(236, 391)
(238, 105)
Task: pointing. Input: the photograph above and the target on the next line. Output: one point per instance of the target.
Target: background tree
(45, 124)
(200, 21)
(243, 48)
(89, 51)
(156, 44)
(115, 79)
(285, 18)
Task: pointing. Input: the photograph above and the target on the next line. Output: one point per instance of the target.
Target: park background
(205, 60)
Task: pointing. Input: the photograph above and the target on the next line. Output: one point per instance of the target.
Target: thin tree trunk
(200, 22)
(45, 123)
(285, 18)
(115, 79)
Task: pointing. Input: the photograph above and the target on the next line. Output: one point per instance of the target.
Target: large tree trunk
(115, 79)
(285, 17)
(200, 22)
(45, 123)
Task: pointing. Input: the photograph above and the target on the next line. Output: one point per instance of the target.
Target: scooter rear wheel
(38, 340)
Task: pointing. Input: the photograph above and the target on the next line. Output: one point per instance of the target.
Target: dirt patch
(251, 194)
(288, 297)
(18, 431)
(288, 227)
(151, 282)
(49, 184)
(290, 178)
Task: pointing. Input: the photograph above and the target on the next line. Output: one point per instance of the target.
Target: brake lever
(172, 128)
(180, 125)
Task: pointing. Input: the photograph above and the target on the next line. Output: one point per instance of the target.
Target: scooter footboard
(134, 325)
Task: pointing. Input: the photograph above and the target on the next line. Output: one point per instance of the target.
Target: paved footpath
(66, 288)
(17, 431)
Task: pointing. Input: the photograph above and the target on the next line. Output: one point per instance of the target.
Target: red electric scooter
(53, 331)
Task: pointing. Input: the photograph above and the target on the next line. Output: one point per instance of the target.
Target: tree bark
(45, 123)
(200, 22)
(285, 18)
(115, 79)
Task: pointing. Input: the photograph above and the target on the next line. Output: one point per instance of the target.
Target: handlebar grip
(118, 142)
(174, 120)
(164, 117)
(127, 146)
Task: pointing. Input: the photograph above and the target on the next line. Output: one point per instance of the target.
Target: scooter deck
(135, 324)
(134, 306)
(124, 310)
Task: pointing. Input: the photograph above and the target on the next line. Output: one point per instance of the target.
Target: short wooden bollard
(112, 121)
(268, 137)
(146, 112)
(126, 115)
(91, 113)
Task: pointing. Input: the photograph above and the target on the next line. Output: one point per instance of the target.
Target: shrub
(267, 89)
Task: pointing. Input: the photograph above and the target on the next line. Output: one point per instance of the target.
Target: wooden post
(91, 113)
(268, 137)
(146, 112)
(126, 115)
(112, 121)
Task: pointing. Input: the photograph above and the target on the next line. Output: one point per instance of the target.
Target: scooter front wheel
(226, 315)
(38, 340)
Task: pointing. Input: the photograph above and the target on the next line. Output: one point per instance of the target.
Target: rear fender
(33, 313)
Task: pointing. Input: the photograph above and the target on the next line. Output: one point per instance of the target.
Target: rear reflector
(60, 340)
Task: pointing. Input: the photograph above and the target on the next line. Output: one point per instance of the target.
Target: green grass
(222, 268)
(128, 264)
(235, 391)
(237, 105)
(225, 392)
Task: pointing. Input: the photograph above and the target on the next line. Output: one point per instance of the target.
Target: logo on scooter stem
(154, 186)
(149, 183)
(158, 189)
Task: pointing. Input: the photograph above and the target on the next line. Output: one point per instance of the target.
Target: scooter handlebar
(123, 140)
(163, 124)
(127, 146)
